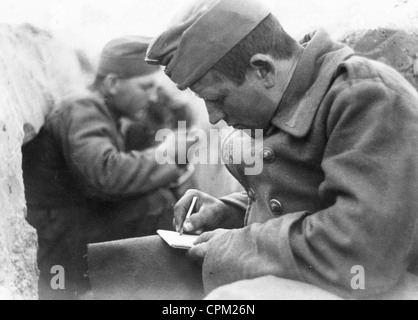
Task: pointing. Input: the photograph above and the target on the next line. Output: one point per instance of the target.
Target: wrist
(233, 216)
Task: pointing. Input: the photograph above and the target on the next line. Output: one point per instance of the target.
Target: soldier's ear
(265, 69)
(111, 83)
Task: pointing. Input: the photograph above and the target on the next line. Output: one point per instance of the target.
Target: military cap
(125, 57)
(201, 35)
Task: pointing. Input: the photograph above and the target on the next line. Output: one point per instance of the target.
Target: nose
(215, 114)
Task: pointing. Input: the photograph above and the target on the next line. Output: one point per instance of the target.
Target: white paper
(177, 241)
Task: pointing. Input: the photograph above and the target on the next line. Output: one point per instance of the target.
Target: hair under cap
(125, 57)
(202, 35)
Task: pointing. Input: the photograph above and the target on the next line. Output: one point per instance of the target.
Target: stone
(394, 47)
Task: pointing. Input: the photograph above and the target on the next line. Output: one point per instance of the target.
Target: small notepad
(177, 241)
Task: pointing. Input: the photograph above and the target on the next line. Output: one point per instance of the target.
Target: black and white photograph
(208, 154)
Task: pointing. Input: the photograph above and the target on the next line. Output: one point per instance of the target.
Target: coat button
(276, 207)
(252, 195)
(268, 155)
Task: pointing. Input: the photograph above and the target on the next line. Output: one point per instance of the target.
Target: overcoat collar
(314, 74)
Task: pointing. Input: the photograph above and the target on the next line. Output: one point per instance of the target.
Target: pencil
(189, 214)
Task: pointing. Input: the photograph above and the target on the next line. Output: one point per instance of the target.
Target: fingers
(198, 253)
(199, 220)
(182, 207)
(208, 236)
(201, 248)
(205, 237)
(207, 214)
(199, 232)
(179, 215)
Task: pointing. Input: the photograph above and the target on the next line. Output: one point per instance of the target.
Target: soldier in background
(83, 183)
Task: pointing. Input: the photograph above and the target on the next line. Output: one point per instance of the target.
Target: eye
(218, 100)
(147, 86)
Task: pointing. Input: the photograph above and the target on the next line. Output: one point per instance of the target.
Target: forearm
(124, 174)
(235, 216)
(238, 200)
(92, 152)
(293, 248)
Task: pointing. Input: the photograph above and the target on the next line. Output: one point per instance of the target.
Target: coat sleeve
(102, 168)
(239, 200)
(370, 186)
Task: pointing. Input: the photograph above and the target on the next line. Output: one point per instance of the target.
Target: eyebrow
(211, 97)
(150, 83)
(204, 97)
(215, 96)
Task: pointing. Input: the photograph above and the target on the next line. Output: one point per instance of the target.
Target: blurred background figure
(86, 181)
(164, 113)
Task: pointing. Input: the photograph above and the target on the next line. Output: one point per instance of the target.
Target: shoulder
(83, 99)
(83, 96)
(361, 82)
(368, 91)
(362, 73)
(79, 104)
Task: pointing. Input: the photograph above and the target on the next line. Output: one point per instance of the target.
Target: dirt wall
(35, 72)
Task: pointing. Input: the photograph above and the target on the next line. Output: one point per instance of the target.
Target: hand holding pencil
(189, 213)
(198, 212)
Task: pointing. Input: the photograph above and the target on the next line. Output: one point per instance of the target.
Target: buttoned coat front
(339, 186)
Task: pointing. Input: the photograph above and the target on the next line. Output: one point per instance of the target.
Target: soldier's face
(135, 94)
(243, 107)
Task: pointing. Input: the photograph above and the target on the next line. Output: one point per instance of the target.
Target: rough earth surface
(397, 48)
(36, 71)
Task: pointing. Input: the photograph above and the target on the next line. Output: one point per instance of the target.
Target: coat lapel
(315, 72)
